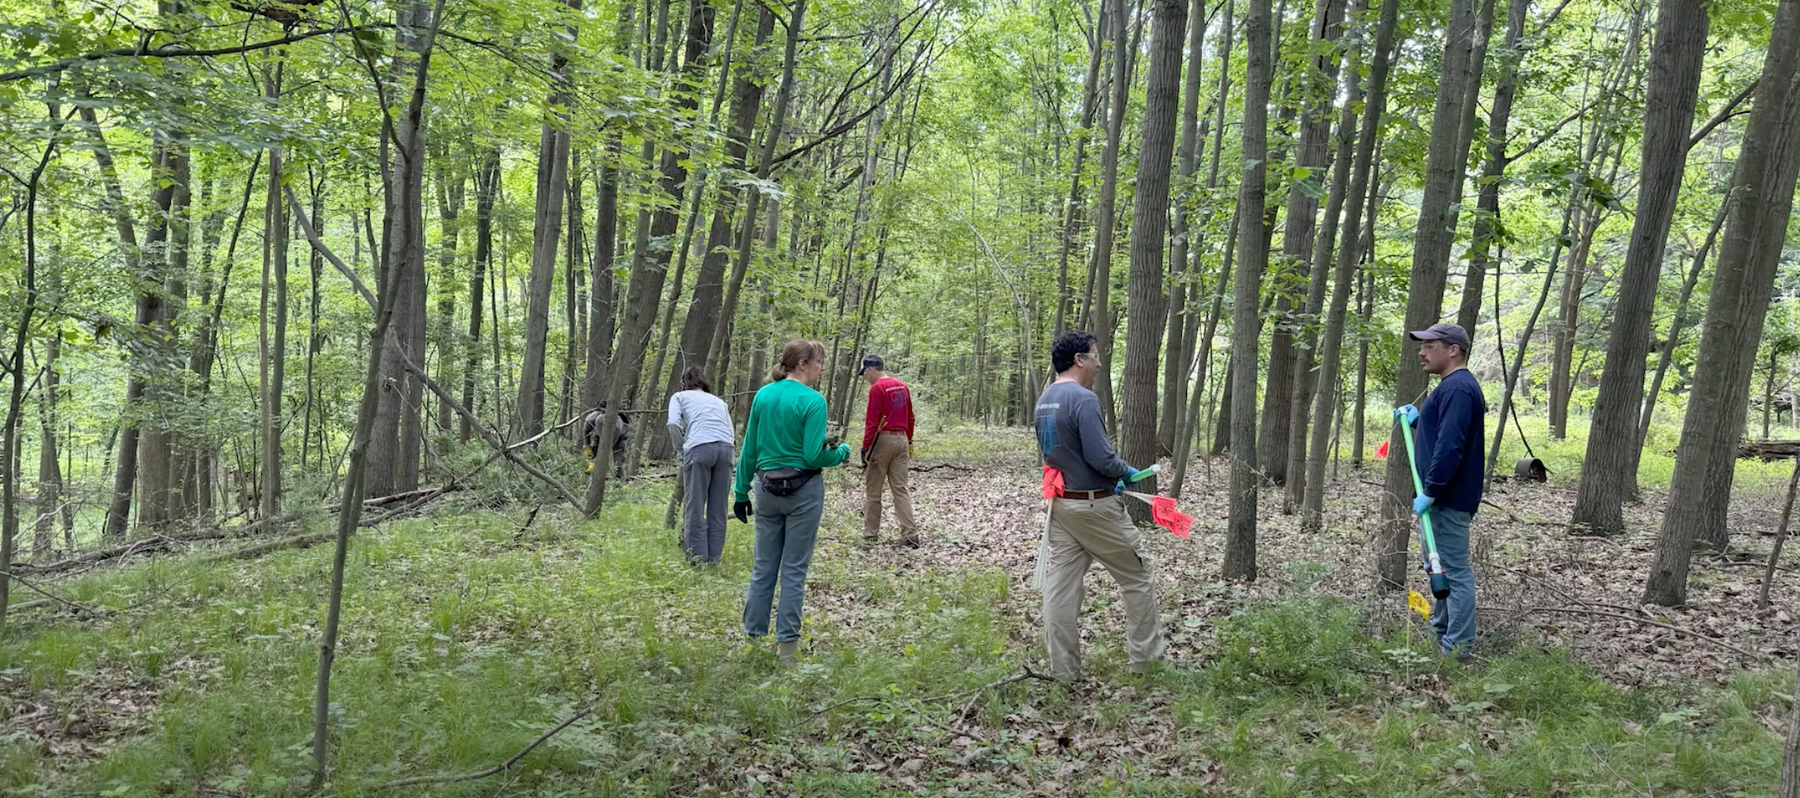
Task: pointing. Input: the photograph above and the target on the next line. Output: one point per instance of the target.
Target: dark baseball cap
(1448, 333)
(872, 362)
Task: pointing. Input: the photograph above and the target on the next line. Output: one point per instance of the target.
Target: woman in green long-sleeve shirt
(785, 448)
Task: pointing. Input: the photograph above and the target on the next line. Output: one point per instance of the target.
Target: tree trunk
(546, 230)
(1240, 533)
(1790, 753)
(394, 444)
(487, 185)
(1175, 377)
(1518, 362)
(274, 349)
(650, 267)
(1305, 378)
(1677, 324)
(1090, 96)
(1345, 276)
(450, 194)
(1430, 271)
(9, 429)
(1359, 410)
(1487, 202)
(416, 33)
(709, 284)
(1673, 91)
(1587, 220)
(1105, 211)
(49, 480)
(1149, 229)
(600, 296)
(1312, 156)
(167, 243)
(764, 167)
(1761, 198)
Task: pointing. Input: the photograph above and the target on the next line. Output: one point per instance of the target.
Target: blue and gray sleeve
(1096, 450)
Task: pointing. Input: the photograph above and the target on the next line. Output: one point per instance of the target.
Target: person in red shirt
(887, 451)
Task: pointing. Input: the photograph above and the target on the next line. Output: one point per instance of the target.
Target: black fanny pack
(786, 481)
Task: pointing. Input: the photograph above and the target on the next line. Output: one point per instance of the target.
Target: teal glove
(843, 452)
(1422, 503)
(1409, 413)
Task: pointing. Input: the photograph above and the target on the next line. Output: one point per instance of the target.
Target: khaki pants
(1081, 532)
(888, 463)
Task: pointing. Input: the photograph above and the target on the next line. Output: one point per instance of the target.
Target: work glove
(742, 511)
(844, 451)
(1422, 503)
(1410, 414)
(909, 450)
(1131, 475)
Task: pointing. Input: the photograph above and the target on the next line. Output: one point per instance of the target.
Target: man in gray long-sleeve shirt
(1087, 520)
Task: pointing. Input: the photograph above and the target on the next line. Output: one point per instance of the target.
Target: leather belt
(1087, 495)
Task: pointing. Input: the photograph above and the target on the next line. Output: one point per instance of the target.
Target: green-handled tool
(1440, 581)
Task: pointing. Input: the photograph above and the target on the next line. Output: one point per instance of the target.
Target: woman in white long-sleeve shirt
(700, 428)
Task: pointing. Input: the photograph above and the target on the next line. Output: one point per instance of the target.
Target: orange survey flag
(1163, 512)
(1053, 483)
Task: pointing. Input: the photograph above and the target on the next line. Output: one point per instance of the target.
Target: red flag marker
(1381, 451)
(1053, 483)
(1164, 513)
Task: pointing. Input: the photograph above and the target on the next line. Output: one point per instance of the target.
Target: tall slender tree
(1673, 91)
(1149, 229)
(1430, 271)
(1344, 276)
(1762, 196)
(1253, 245)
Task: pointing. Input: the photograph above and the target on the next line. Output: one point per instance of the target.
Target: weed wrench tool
(1440, 581)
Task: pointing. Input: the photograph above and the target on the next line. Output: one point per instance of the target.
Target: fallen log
(1768, 451)
(142, 545)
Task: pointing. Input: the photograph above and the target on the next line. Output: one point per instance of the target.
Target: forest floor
(471, 631)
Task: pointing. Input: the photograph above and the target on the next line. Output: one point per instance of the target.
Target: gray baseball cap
(872, 362)
(1448, 333)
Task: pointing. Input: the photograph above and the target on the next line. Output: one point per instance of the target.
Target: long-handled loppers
(1440, 581)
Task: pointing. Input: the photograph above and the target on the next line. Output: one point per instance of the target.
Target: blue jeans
(786, 528)
(1454, 616)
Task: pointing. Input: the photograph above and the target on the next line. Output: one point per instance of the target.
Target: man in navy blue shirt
(1448, 443)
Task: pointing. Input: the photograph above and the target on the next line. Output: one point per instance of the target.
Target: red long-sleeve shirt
(890, 410)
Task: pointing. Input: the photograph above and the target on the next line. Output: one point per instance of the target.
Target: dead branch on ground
(497, 769)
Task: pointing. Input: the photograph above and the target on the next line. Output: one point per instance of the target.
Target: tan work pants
(1082, 531)
(887, 466)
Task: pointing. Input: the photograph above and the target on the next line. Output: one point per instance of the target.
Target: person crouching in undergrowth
(701, 430)
(785, 448)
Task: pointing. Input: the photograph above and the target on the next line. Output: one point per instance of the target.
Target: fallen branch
(1648, 622)
(500, 768)
(941, 466)
(138, 546)
(49, 596)
(1027, 673)
(295, 542)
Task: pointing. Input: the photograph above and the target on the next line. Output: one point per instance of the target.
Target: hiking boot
(911, 543)
(871, 537)
(788, 653)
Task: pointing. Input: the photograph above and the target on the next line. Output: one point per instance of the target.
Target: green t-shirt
(786, 429)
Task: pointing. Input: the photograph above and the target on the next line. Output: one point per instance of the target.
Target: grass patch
(465, 637)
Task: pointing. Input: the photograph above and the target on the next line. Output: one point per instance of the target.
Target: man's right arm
(1095, 448)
